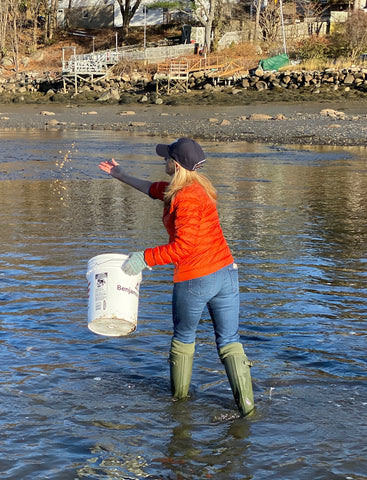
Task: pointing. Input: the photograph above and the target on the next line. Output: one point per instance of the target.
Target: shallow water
(75, 405)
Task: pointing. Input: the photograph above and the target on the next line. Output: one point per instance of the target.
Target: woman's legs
(220, 292)
(188, 302)
(186, 312)
(230, 350)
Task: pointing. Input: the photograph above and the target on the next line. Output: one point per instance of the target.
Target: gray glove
(134, 264)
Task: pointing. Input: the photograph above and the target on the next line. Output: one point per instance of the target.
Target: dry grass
(236, 50)
(321, 64)
(48, 58)
(127, 68)
(249, 60)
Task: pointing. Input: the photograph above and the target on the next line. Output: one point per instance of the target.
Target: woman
(204, 271)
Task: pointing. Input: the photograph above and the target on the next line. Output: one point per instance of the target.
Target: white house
(91, 14)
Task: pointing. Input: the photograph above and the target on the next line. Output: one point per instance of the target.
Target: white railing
(84, 67)
(101, 61)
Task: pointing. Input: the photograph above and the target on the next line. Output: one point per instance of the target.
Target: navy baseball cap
(185, 151)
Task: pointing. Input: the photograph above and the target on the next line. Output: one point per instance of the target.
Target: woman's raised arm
(114, 169)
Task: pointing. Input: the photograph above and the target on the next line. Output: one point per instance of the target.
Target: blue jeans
(220, 292)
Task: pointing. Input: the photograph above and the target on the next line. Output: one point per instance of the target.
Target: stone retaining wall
(110, 89)
(262, 80)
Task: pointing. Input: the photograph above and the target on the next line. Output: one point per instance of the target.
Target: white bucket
(113, 296)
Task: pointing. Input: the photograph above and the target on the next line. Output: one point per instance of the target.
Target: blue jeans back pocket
(203, 286)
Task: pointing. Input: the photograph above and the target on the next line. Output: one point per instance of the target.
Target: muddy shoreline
(339, 123)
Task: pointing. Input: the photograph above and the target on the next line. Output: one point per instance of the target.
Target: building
(91, 14)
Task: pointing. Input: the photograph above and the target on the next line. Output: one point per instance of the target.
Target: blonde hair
(183, 178)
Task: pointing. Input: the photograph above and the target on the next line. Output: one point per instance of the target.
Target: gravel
(311, 123)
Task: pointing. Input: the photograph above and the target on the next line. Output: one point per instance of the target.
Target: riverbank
(340, 123)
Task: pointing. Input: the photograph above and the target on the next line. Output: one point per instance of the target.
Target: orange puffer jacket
(196, 245)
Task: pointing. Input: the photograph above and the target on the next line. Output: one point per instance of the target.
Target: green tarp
(274, 63)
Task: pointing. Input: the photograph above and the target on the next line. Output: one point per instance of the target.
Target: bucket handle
(102, 263)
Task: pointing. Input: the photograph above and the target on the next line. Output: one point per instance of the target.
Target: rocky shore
(325, 108)
(340, 123)
(36, 87)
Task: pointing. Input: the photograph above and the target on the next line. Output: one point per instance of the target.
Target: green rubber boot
(181, 359)
(237, 368)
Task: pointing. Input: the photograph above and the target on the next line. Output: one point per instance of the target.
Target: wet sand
(288, 123)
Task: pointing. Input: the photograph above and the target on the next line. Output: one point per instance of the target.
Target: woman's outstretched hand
(111, 167)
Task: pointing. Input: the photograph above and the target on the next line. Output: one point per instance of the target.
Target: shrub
(313, 47)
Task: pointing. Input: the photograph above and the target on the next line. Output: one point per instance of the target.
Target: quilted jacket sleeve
(157, 190)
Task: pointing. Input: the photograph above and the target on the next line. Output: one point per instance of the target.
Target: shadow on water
(76, 405)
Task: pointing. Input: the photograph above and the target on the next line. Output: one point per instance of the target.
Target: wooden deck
(172, 71)
(218, 67)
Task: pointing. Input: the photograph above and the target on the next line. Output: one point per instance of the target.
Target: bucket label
(101, 290)
(129, 290)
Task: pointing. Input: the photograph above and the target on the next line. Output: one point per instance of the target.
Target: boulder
(348, 79)
(280, 116)
(329, 112)
(137, 124)
(261, 85)
(260, 117)
(109, 95)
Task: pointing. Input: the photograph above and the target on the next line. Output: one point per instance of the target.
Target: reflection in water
(76, 405)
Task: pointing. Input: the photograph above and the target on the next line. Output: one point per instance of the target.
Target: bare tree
(128, 10)
(205, 13)
(257, 5)
(218, 22)
(4, 25)
(270, 21)
(35, 8)
(50, 8)
(13, 30)
(67, 16)
(356, 32)
(313, 12)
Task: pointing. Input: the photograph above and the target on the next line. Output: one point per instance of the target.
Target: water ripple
(77, 405)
